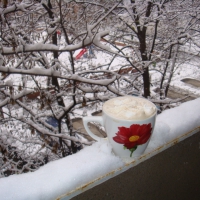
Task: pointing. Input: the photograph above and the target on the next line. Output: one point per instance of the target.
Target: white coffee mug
(128, 137)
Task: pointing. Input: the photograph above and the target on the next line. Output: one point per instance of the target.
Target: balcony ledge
(127, 166)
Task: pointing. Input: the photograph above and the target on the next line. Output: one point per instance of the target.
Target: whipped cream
(129, 108)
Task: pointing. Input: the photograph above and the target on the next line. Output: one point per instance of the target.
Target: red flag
(58, 32)
(81, 53)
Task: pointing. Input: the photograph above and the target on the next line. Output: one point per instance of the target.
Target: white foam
(117, 102)
(129, 108)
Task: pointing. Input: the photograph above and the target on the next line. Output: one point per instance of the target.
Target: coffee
(129, 108)
(129, 122)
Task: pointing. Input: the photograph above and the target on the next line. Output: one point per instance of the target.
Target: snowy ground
(186, 71)
(62, 176)
(182, 72)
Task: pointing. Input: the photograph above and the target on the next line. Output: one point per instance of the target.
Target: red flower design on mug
(133, 136)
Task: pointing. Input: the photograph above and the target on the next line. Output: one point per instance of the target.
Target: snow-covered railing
(70, 176)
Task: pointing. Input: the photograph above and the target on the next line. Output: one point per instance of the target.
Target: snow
(64, 175)
(53, 179)
(186, 71)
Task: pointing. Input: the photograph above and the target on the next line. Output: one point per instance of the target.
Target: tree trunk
(172, 69)
(146, 81)
(141, 34)
(145, 75)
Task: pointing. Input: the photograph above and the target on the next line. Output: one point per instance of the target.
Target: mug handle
(86, 120)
